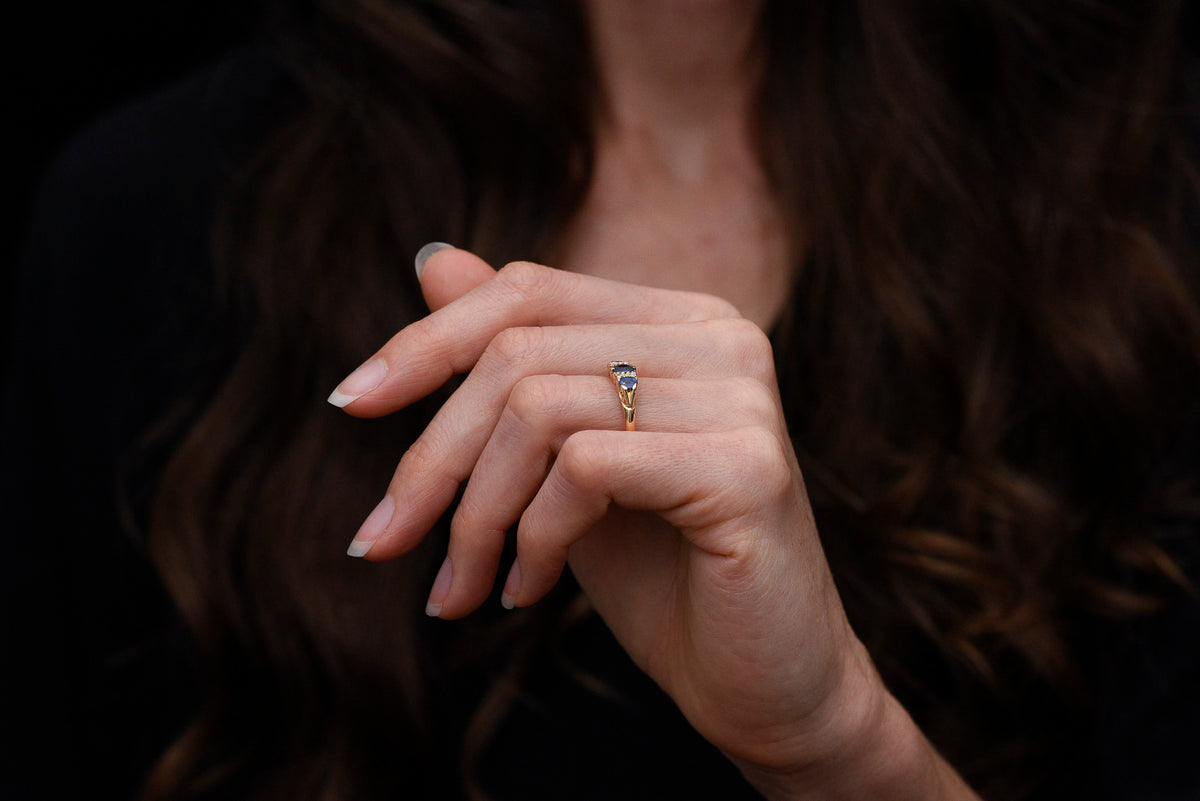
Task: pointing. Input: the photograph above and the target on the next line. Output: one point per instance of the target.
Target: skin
(677, 195)
(693, 536)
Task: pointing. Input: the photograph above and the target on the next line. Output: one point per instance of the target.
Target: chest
(720, 233)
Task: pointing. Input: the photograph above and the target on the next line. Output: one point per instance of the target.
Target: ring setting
(624, 377)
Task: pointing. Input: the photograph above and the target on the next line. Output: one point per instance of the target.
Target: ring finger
(541, 413)
(445, 454)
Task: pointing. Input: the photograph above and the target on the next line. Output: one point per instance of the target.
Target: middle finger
(541, 413)
(444, 455)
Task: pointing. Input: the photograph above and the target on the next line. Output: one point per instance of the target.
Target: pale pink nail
(512, 586)
(375, 524)
(359, 383)
(441, 588)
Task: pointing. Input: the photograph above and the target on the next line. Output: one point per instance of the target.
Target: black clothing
(113, 311)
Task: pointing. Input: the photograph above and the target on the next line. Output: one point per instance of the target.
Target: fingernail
(512, 585)
(424, 253)
(441, 588)
(359, 383)
(372, 527)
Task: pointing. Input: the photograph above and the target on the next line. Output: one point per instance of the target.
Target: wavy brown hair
(988, 363)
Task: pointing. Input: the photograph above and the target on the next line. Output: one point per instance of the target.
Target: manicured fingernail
(441, 588)
(360, 382)
(372, 527)
(512, 586)
(424, 253)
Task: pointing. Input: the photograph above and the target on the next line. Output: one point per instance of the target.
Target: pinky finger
(695, 483)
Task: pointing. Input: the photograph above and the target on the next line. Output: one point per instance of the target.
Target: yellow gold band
(624, 377)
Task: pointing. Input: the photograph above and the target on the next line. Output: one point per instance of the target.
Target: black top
(112, 312)
(110, 307)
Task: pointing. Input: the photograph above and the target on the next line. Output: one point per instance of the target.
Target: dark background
(74, 61)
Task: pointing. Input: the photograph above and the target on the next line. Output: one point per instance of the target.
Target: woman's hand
(692, 536)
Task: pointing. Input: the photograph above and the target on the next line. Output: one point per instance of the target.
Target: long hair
(989, 355)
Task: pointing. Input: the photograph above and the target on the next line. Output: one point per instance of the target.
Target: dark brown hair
(991, 350)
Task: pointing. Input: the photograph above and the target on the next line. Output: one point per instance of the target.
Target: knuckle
(535, 399)
(513, 347)
(749, 336)
(713, 307)
(466, 518)
(750, 347)
(581, 461)
(471, 526)
(543, 554)
(754, 401)
(421, 336)
(762, 458)
(421, 458)
(526, 278)
(531, 541)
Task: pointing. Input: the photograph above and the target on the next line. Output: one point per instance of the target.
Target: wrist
(860, 744)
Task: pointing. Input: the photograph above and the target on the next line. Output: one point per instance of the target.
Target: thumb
(447, 273)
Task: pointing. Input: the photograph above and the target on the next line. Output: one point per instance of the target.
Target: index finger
(424, 355)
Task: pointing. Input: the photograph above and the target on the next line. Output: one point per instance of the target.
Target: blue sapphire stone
(628, 382)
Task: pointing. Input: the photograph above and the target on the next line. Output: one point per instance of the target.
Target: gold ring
(624, 376)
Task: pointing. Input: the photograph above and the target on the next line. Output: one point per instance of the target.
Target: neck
(675, 65)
